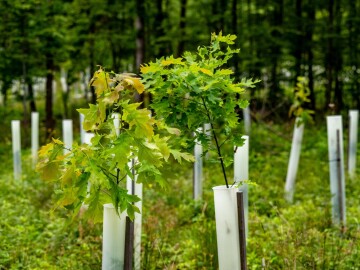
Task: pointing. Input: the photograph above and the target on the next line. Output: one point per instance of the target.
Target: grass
(179, 233)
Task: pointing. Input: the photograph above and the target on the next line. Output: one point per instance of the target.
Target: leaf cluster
(301, 98)
(127, 142)
(199, 88)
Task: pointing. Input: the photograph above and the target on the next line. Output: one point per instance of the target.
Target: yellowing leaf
(100, 81)
(50, 171)
(93, 116)
(44, 150)
(206, 71)
(172, 61)
(56, 141)
(225, 72)
(69, 196)
(236, 88)
(140, 119)
(149, 69)
(136, 83)
(111, 98)
(174, 131)
(68, 176)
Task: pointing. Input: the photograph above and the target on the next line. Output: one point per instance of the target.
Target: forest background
(43, 43)
(49, 50)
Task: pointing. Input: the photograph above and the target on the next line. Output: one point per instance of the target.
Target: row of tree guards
(122, 238)
(336, 161)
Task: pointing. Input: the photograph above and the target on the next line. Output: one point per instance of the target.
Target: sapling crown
(105, 162)
(200, 88)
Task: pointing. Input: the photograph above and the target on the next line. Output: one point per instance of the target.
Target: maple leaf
(162, 145)
(224, 72)
(45, 149)
(49, 171)
(95, 209)
(93, 116)
(121, 149)
(135, 83)
(56, 141)
(152, 68)
(206, 71)
(172, 61)
(68, 176)
(100, 81)
(68, 197)
(178, 156)
(140, 119)
(111, 97)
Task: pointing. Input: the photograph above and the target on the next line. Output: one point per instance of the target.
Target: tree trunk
(140, 34)
(329, 63)
(234, 26)
(218, 9)
(160, 16)
(298, 39)
(31, 96)
(338, 59)
(182, 27)
(92, 60)
(275, 50)
(140, 40)
(309, 49)
(354, 32)
(49, 121)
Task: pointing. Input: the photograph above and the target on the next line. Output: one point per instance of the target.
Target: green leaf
(224, 72)
(95, 206)
(67, 177)
(172, 61)
(121, 149)
(50, 171)
(93, 116)
(162, 145)
(140, 119)
(147, 155)
(179, 156)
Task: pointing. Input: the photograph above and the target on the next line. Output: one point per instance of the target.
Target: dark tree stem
(217, 143)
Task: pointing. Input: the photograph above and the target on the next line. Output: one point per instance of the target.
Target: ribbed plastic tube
(227, 229)
(113, 239)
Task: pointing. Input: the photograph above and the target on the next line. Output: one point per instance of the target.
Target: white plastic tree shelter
(336, 163)
(34, 137)
(87, 137)
(136, 189)
(294, 160)
(116, 120)
(16, 147)
(198, 169)
(63, 77)
(227, 227)
(241, 173)
(67, 130)
(113, 239)
(353, 139)
(247, 120)
(207, 130)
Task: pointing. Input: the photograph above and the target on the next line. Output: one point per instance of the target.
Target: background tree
(279, 41)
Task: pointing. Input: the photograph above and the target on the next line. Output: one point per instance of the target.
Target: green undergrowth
(34, 237)
(178, 232)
